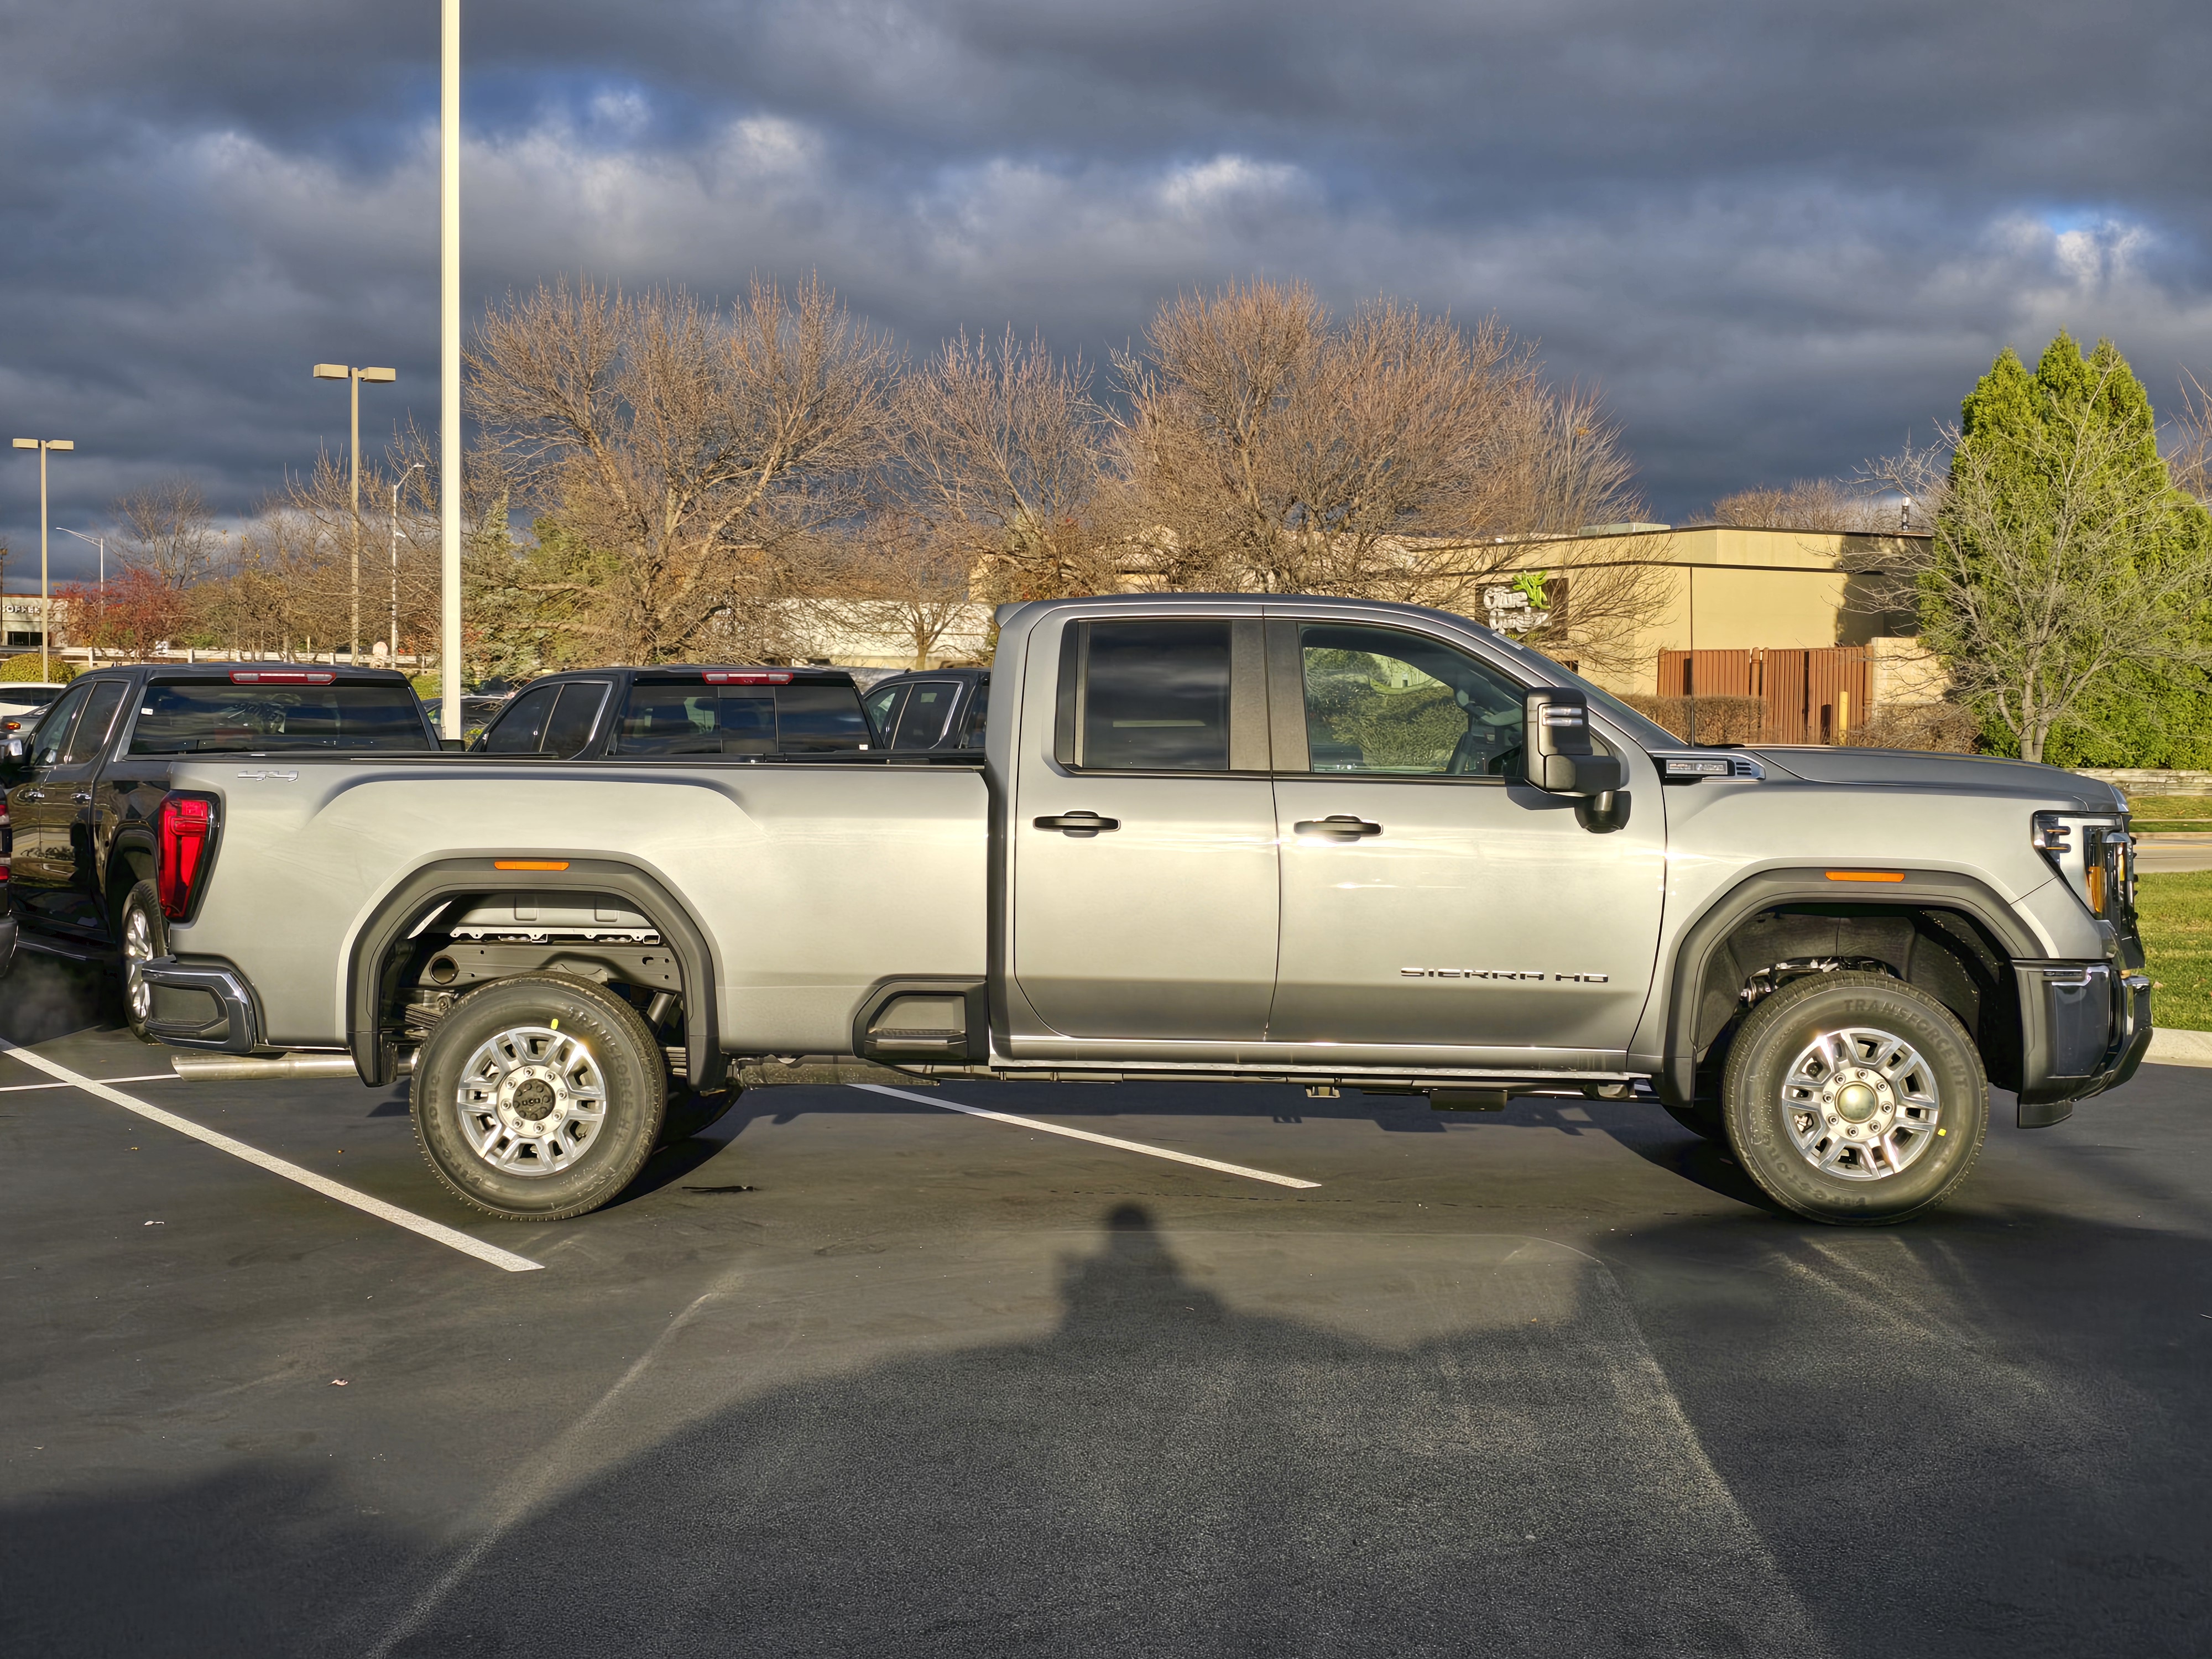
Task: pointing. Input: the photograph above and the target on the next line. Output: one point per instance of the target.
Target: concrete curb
(2180, 1048)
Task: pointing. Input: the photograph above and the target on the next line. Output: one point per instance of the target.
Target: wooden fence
(1811, 695)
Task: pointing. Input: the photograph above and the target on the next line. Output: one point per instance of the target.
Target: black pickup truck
(682, 709)
(87, 815)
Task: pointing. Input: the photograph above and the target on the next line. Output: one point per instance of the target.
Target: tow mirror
(1562, 760)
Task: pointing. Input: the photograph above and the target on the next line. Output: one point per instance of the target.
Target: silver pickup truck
(1340, 844)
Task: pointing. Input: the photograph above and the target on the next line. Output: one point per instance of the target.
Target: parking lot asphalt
(856, 1374)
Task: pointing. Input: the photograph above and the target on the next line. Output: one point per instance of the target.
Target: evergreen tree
(2067, 581)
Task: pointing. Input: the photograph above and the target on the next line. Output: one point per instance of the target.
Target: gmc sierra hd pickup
(1271, 839)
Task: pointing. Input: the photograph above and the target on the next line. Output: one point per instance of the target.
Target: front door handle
(83, 796)
(1338, 826)
(1079, 824)
(33, 795)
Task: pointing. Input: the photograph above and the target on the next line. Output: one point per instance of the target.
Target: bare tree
(167, 530)
(1000, 466)
(704, 449)
(1809, 504)
(1391, 456)
(2053, 562)
(893, 582)
(2189, 455)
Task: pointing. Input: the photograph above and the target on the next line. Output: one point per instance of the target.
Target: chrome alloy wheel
(1860, 1105)
(532, 1101)
(137, 950)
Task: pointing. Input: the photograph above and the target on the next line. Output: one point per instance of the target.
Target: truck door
(53, 877)
(1144, 859)
(1430, 896)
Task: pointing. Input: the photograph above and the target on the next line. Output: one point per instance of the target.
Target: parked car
(937, 708)
(88, 818)
(22, 703)
(1327, 841)
(682, 709)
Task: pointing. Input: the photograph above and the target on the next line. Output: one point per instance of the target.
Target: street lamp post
(100, 542)
(46, 598)
(449, 365)
(345, 372)
(396, 483)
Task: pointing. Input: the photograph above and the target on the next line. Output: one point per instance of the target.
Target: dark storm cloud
(1778, 235)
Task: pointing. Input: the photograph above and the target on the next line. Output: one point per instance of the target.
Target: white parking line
(150, 1076)
(451, 1238)
(1085, 1134)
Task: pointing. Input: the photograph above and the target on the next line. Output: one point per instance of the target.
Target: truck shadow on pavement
(1512, 1460)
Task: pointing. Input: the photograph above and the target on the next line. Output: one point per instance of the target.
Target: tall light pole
(100, 542)
(396, 483)
(377, 376)
(449, 366)
(46, 598)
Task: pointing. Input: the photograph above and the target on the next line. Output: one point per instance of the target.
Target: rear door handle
(1079, 824)
(82, 796)
(1338, 826)
(33, 795)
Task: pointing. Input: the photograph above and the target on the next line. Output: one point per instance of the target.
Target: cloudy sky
(1778, 235)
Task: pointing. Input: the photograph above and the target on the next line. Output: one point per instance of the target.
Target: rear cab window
(213, 717)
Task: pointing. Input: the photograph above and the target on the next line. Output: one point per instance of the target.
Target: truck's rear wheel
(143, 935)
(539, 1096)
(1855, 1098)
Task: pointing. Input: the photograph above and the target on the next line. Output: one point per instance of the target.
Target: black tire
(142, 932)
(693, 1112)
(527, 1147)
(1798, 1133)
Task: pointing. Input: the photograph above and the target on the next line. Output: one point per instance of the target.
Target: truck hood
(1914, 769)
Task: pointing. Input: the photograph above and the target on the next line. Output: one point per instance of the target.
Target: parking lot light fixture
(45, 597)
(354, 376)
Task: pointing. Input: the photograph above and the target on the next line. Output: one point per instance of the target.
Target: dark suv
(939, 708)
(682, 709)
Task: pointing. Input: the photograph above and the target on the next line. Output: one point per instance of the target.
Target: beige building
(1724, 594)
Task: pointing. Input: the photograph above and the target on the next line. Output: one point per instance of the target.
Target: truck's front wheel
(538, 1097)
(1855, 1098)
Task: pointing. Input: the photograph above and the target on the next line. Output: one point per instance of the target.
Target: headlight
(2092, 852)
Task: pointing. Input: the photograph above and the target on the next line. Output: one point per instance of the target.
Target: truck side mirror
(12, 751)
(1562, 758)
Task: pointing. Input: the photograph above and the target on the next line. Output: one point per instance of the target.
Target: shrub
(25, 666)
(1942, 728)
(1719, 719)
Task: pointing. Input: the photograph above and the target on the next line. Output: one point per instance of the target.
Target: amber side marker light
(1866, 875)
(529, 864)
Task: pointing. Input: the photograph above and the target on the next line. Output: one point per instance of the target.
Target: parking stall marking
(1098, 1139)
(150, 1076)
(437, 1232)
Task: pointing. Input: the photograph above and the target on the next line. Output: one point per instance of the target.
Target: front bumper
(2084, 1027)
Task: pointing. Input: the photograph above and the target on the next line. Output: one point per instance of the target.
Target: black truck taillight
(184, 830)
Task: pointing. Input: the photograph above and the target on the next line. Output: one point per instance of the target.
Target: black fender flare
(367, 963)
(1937, 889)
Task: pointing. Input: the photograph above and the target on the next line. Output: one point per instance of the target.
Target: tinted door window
(1381, 700)
(570, 728)
(816, 718)
(53, 731)
(971, 727)
(520, 729)
(928, 707)
(93, 726)
(884, 711)
(1156, 697)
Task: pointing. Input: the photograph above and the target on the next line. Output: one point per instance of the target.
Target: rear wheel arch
(372, 960)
